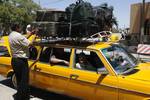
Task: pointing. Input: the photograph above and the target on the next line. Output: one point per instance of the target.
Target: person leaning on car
(19, 49)
(84, 64)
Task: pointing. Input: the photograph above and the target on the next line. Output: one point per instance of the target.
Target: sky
(121, 7)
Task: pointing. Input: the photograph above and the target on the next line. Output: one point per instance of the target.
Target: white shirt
(19, 45)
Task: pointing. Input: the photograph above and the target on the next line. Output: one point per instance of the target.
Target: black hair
(82, 54)
(120, 59)
(15, 26)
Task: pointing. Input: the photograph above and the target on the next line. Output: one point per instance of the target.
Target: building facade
(136, 18)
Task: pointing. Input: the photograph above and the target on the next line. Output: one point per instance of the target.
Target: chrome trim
(48, 74)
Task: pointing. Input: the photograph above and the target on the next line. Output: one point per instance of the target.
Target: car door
(61, 69)
(33, 56)
(5, 60)
(91, 83)
(42, 71)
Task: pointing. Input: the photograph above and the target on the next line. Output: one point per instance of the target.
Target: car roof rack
(67, 41)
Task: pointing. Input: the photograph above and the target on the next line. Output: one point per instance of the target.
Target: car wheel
(14, 81)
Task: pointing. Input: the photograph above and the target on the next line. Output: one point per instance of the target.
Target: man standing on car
(19, 49)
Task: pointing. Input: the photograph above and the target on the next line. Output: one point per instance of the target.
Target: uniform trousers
(21, 70)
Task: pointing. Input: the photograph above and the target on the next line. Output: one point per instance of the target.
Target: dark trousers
(21, 70)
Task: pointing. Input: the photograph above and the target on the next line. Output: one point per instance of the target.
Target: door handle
(74, 76)
(37, 69)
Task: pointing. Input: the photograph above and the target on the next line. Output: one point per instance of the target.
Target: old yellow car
(85, 70)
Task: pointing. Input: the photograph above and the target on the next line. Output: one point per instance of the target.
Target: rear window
(33, 53)
(4, 51)
(86, 60)
(55, 56)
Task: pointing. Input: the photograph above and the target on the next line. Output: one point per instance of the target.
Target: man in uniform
(19, 49)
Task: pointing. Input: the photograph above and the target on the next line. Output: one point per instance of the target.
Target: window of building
(147, 27)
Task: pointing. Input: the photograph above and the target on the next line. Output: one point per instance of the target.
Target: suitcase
(49, 15)
(46, 29)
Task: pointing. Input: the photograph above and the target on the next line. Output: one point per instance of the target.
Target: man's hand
(66, 62)
(35, 31)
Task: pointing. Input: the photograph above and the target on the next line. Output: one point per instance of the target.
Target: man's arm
(56, 60)
(26, 42)
(29, 34)
(33, 34)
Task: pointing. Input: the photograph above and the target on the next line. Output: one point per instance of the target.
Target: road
(7, 91)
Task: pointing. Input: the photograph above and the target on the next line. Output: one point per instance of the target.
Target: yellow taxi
(85, 70)
(5, 56)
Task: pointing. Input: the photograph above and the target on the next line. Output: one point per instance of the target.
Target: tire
(13, 80)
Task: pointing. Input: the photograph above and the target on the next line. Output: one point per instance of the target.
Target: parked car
(5, 56)
(110, 72)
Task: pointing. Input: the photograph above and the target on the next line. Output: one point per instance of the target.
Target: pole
(70, 24)
(142, 21)
(39, 3)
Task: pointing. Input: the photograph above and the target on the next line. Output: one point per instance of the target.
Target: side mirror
(102, 71)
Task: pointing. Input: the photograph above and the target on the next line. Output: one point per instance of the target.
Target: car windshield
(120, 59)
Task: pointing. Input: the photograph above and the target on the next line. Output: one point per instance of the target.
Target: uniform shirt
(18, 45)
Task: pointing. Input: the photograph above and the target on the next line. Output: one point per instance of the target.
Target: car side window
(33, 53)
(60, 56)
(88, 60)
(45, 55)
(4, 51)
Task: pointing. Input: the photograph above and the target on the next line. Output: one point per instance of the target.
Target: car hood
(141, 72)
(137, 80)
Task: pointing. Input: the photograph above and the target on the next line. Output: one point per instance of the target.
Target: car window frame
(42, 48)
(56, 65)
(36, 55)
(90, 50)
(40, 51)
(6, 50)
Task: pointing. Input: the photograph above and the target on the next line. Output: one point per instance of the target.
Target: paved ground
(2, 78)
(6, 92)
